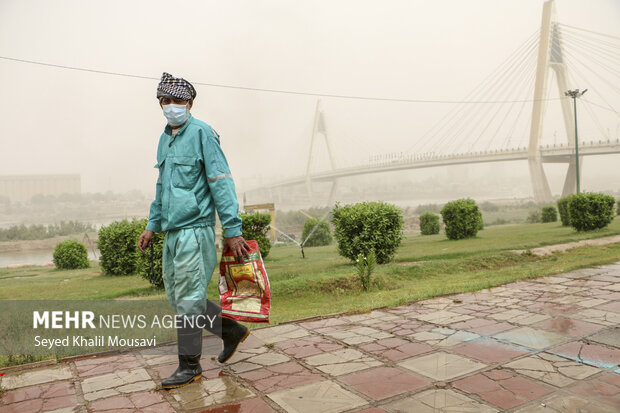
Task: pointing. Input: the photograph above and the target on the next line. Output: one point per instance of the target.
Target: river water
(35, 257)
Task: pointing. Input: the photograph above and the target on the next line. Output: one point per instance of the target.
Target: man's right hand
(145, 240)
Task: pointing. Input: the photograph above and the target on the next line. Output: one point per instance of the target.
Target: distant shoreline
(41, 244)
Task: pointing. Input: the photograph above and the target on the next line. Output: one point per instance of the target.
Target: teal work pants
(189, 258)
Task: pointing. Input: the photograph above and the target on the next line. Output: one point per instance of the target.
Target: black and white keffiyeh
(177, 87)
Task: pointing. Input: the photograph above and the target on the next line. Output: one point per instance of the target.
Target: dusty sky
(106, 127)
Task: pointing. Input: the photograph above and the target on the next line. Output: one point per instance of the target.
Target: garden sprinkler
(301, 246)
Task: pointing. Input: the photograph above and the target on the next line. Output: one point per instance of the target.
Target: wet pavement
(542, 345)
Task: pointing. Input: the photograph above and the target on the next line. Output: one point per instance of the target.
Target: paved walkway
(550, 249)
(545, 345)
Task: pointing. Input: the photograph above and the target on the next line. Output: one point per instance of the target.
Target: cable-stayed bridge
(552, 154)
(506, 117)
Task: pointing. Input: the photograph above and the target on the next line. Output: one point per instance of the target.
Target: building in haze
(20, 188)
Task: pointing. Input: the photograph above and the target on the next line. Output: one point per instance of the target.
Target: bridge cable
(521, 70)
(588, 108)
(450, 114)
(589, 31)
(582, 32)
(593, 55)
(530, 72)
(591, 46)
(578, 72)
(600, 106)
(529, 86)
(510, 141)
(456, 116)
(465, 118)
(572, 57)
(598, 43)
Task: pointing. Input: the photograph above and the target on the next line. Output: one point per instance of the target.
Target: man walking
(194, 181)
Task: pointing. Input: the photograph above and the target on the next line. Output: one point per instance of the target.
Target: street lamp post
(575, 94)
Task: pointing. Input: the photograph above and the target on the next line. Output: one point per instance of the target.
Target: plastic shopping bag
(244, 287)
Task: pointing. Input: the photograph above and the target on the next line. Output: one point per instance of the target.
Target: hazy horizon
(106, 128)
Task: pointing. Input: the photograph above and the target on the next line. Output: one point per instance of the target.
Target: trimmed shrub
(462, 218)
(429, 223)
(70, 255)
(481, 222)
(255, 227)
(563, 210)
(316, 237)
(549, 214)
(589, 211)
(118, 246)
(368, 226)
(618, 211)
(143, 260)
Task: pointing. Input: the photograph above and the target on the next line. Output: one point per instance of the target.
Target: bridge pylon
(320, 128)
(550, 56)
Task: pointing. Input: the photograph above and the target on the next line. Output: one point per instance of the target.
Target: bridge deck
(550, 154)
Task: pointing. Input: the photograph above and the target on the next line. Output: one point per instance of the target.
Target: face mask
(176, 114)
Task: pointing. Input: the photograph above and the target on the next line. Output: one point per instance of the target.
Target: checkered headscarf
(176, 87)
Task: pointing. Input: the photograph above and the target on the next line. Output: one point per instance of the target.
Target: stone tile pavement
(542, 345)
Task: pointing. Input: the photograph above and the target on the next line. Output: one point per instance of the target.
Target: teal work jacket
(194, 181)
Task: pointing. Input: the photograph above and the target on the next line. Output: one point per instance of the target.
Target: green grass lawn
(48, 283)
(299, 286)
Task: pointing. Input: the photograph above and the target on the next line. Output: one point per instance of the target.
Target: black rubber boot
(233, 334)
(213, 310)
(190, 350)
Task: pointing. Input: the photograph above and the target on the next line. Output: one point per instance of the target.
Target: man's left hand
(239, 247)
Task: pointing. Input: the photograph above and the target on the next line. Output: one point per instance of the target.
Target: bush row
(364, 228)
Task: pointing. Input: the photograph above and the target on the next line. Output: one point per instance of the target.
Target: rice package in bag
(244, 287)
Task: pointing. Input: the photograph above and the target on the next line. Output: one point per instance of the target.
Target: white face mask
(176, 114)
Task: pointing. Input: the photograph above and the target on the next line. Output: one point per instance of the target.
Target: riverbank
(39, 252)
(45, 244)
